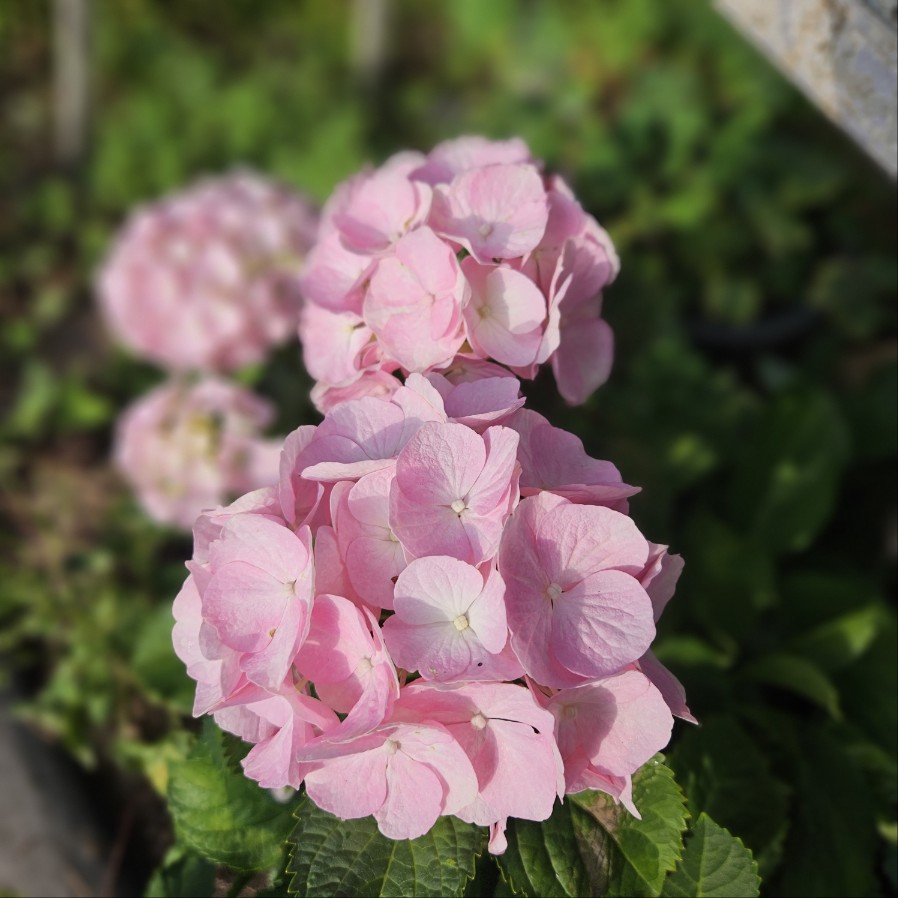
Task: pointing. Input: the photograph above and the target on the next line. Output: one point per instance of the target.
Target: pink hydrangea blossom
(186, 447)
(396, 631)
(206, 279)
(387, 294)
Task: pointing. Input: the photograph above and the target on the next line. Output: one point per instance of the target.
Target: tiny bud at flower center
(485, 229)
(392, 746)
(461, 623)
(553, 591)
(364, 666)
(478, 721)
(458, 506)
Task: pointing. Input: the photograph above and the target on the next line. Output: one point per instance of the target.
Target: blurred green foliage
(753, 398)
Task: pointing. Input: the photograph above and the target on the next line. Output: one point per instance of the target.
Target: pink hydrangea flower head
(184, 448)
(366, 622)
(389, 294)
(207, 279)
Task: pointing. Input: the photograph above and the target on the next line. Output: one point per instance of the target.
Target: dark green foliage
(334, 857)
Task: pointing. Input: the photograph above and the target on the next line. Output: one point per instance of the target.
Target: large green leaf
(725, 774)
(562, 857)
(786, 484)
(220, 813)
(592, 846)
(799, 676)
(330, 856)
(714, 863)
(832, 845)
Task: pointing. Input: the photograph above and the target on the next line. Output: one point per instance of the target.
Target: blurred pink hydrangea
(207, 279)
(470, 253)
(184, 448)
(442, 597)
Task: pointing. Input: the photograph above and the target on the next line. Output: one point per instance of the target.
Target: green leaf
(837, 643)
(785, 487)
(832, 847)
(726, 775)
(220, 813)
(182, 874)
(330, 856)
(562, 857)
(800, 676)
(592, 846)
(713, 864)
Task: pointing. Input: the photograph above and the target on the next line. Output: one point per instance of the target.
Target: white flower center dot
(364, 665)
(392, 746)
(461, 623)
(478, 721)
(553, 591)
(458, 506)
(485, 229)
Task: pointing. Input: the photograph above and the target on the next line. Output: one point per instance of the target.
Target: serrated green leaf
(330, 856)
(714, 863)
(649, 848)
(592, 846)
(220, 813)
(725, 775)
(562, 857)
(800, 676)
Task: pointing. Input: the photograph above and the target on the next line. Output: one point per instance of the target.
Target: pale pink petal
(583, 360)
(602, 623)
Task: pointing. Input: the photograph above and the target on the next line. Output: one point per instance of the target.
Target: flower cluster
(204, 281)
(184, 446)
(442, 262)
(441, 599)
(207, 278)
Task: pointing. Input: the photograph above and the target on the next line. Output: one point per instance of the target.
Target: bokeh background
(753, 396)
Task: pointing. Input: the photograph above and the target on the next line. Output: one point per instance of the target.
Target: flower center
(461, 623)
(392, 746)
(458, 506)
(553, 591)
(478, 721)
(485, 229)
(364, 666)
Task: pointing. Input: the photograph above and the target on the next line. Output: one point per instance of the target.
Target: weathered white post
(71, 76)
(842, 53)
